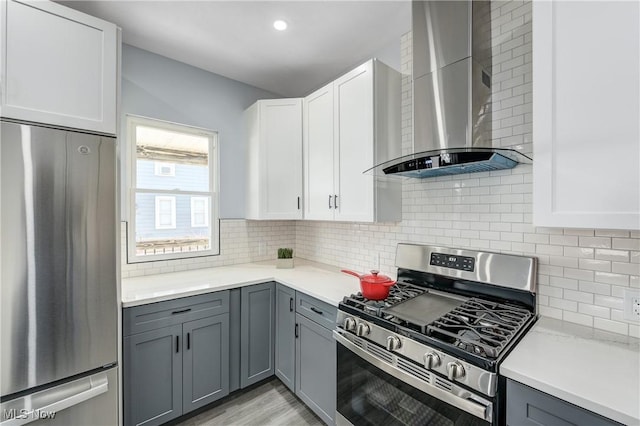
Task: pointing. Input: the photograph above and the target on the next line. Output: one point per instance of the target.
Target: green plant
(285, 253)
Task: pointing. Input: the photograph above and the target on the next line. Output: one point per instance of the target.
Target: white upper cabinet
(58, 66)
(350, 125)
(274, 167)
(586, 114)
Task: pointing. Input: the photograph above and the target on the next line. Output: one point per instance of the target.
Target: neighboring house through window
(174, 191)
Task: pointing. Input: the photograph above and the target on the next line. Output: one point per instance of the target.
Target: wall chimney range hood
(452, 130)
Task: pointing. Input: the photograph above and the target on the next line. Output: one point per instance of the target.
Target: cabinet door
(257, 333)
(281, 162)
(318, 145)
(152, 374)
(353, 97)
(59, 66)
(586, 114)
(529, 407)
(316, 368)
(205, 370)
(285, 335)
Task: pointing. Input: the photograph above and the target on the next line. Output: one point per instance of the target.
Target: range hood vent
(452, 130)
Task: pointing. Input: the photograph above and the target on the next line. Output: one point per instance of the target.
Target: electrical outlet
(632, 305)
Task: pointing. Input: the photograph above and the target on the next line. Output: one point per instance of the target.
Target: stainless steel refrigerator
(58, 308)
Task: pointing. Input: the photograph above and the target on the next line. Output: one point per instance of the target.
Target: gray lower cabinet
(530, 407)
(316, 368)
(176, 357)
(285, 367)
(153, 376)
(205, 363)
(257, 333)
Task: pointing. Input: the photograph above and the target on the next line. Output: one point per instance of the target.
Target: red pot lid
(375, 278)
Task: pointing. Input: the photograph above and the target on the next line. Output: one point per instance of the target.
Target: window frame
(132, 122)
(205, 201)
(157, 169)
(158, 200)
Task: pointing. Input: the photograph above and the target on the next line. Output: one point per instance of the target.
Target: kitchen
(587, 264)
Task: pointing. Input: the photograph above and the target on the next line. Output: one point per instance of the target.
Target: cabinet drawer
(320, 312)
(161, 314)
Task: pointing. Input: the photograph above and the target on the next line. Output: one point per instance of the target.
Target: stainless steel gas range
(429, 353)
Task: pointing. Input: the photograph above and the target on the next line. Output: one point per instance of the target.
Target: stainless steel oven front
(377, 387)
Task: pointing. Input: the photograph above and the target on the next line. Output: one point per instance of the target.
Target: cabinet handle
(291, 304)
(182, 311)
(296, 330)
(316, 310)
(298, 203)
(177, 344)
(335, 201)
(330, 201)
(188, 341)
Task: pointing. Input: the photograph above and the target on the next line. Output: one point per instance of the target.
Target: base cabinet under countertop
(176, 357)
(530, 407)
(306, 350)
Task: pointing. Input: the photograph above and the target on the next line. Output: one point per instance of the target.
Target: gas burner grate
(398, 293)
(480, 327)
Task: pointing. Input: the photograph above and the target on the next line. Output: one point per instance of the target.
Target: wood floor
(268, 404)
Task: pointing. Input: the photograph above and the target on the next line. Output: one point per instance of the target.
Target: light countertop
(323, 282)
(592, 369)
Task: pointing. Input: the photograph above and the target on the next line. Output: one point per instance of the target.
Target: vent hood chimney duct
(451, 93)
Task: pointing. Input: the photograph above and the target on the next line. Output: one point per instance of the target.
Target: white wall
(582, 272)
(158, 87)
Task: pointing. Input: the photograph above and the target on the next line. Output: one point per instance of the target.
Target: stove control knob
(349, 324)
(455, 370)
(431, 360)
(363, 329)
(393, 343)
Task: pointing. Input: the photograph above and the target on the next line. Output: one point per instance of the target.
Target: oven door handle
(473, 407)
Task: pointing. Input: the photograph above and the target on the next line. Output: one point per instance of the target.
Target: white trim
(205, 204)
(159, 166)
(214, 168)
(172, 200)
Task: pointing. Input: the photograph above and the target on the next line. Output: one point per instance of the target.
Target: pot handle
(355, 274)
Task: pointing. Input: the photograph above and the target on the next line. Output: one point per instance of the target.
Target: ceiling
(236, 39)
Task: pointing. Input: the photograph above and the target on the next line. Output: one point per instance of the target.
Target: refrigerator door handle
(70, 394)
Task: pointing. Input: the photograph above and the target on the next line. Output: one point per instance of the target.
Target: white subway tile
(611, 278)
(577, 318)
(580, 252)
(563, 283)
(597, 288)
(594, 311)
(614, 255)
(563, 240)
(626, 268)
(608, 301)
(611, 326)
(626, 243)
(597, 242)
(578, 274)
(580, 296)
(550, 312)
(565, 305)
(595, 265)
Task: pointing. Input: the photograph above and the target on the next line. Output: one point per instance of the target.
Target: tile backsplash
(582, 273)
(241, 241)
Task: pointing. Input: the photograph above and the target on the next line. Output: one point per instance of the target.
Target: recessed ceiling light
(280, 25)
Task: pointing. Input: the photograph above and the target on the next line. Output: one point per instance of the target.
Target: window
(173, 172)
(165, 212)
(164, 169)
(199, 212)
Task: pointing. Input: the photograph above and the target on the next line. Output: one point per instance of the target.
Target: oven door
(375, 387)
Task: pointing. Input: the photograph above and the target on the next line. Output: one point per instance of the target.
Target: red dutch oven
(373, 286)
